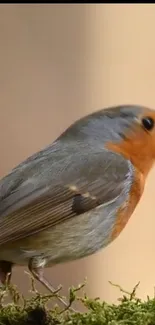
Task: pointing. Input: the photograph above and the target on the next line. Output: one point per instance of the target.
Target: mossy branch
(130, 310)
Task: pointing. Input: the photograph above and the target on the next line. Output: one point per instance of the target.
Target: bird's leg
(5, 272)
(37, 270)
(5, 276)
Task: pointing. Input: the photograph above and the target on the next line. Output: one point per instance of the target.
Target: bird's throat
(138, 149)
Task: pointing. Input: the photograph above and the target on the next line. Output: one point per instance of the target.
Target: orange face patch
(138, 147)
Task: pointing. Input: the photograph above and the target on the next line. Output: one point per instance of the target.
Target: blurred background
(58, 63)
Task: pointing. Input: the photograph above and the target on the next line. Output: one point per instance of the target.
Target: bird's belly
(73, 239)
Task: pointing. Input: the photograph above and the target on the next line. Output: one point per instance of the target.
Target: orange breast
(138, 147)
(129, 206)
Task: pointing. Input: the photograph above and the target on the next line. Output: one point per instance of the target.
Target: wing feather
(40, 200)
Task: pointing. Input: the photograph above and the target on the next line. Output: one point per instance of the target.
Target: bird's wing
(31, 202)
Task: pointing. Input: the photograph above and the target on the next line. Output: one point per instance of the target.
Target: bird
(75, 196)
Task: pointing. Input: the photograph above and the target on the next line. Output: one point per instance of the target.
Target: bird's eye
(148, 123)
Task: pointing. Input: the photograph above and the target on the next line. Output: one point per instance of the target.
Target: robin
(75, 196)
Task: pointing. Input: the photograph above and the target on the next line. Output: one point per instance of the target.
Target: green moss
(34, 311)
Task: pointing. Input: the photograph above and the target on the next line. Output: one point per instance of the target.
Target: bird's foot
(38, 275)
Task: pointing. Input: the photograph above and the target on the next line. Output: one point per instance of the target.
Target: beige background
(59, 62)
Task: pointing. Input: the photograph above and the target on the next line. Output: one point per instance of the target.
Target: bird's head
(127, 129)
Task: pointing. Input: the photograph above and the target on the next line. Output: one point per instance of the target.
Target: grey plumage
(39, 194)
